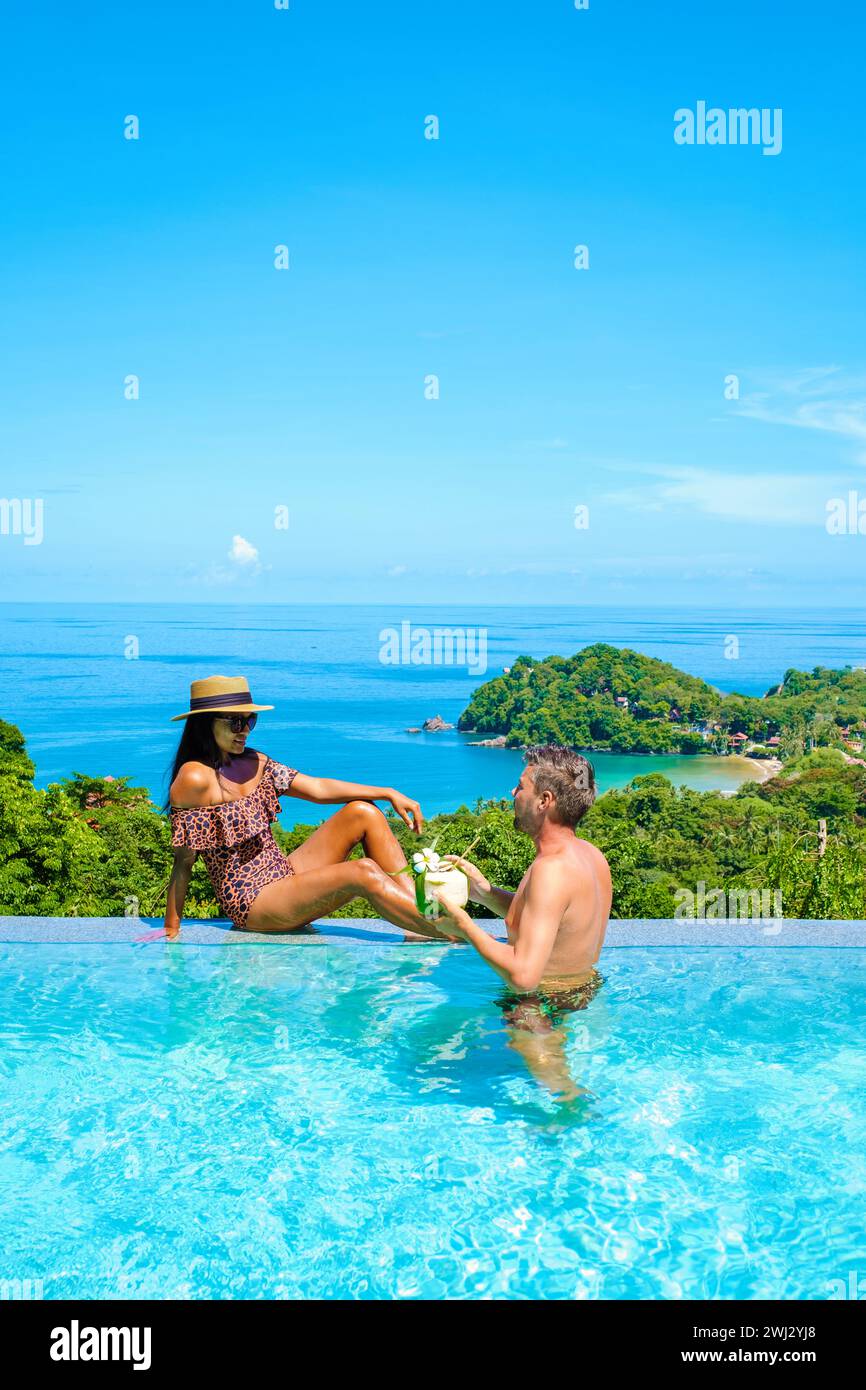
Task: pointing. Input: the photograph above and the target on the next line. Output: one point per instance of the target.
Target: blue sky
(410, 257)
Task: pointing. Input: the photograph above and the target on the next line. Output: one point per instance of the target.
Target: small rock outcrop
(432, 726)
(435, 725)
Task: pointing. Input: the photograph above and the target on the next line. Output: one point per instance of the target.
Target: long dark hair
(197, 745)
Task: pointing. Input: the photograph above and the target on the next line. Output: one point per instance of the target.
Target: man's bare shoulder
(551, 874)
(594, 857)
(573, 869)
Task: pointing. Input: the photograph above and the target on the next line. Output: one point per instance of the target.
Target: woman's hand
(408, 810)
(478, 884)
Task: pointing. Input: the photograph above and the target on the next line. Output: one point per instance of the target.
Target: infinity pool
(351, 1121)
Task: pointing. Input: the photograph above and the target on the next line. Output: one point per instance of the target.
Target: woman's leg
(301, 897)
(356, 823)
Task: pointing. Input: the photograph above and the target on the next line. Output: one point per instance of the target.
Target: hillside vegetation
(92, 846)
(607, 698)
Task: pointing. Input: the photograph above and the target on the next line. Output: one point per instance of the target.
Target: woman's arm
(328, 790)
(177, 885)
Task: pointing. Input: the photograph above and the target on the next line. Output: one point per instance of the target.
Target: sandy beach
(757, 769)
(752, 769)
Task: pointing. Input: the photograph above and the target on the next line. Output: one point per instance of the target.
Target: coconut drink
(451, 882)
(434, 875)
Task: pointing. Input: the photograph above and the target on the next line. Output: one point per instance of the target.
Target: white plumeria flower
(425, 859)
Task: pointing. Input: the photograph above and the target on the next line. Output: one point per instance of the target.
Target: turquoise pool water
(350, 1121)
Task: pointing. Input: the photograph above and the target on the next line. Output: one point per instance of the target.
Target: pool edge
(637, 932)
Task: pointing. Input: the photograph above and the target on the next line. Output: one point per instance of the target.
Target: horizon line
(433, 603)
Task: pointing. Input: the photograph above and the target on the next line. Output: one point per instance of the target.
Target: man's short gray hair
(567, 775)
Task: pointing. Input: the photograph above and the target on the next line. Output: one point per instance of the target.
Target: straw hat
(220, 695)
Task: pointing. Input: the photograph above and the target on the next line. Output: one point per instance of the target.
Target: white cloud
(817, 398)
(244, 554)
(765, 499)
(396, 570)
(244, 566)
(820, 399)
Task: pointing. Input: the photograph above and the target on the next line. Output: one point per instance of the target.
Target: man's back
(582, 876)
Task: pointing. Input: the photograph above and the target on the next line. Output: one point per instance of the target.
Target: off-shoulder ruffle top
(233, 822)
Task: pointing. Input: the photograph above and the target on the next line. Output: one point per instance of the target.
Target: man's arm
(545, 900)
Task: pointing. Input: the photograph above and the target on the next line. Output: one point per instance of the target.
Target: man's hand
(408, 810)
(478, 884)
(451, 920)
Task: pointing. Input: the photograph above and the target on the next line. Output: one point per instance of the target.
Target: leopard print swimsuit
(236, 841)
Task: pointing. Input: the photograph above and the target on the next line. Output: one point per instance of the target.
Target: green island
(612, 699)
(97, 846)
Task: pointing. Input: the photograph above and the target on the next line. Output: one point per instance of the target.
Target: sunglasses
(239, 722)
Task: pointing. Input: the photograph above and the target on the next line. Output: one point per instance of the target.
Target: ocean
(93, 686)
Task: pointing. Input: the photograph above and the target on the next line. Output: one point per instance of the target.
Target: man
(557, 918)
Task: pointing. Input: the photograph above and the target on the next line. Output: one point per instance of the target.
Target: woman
(223, 798)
